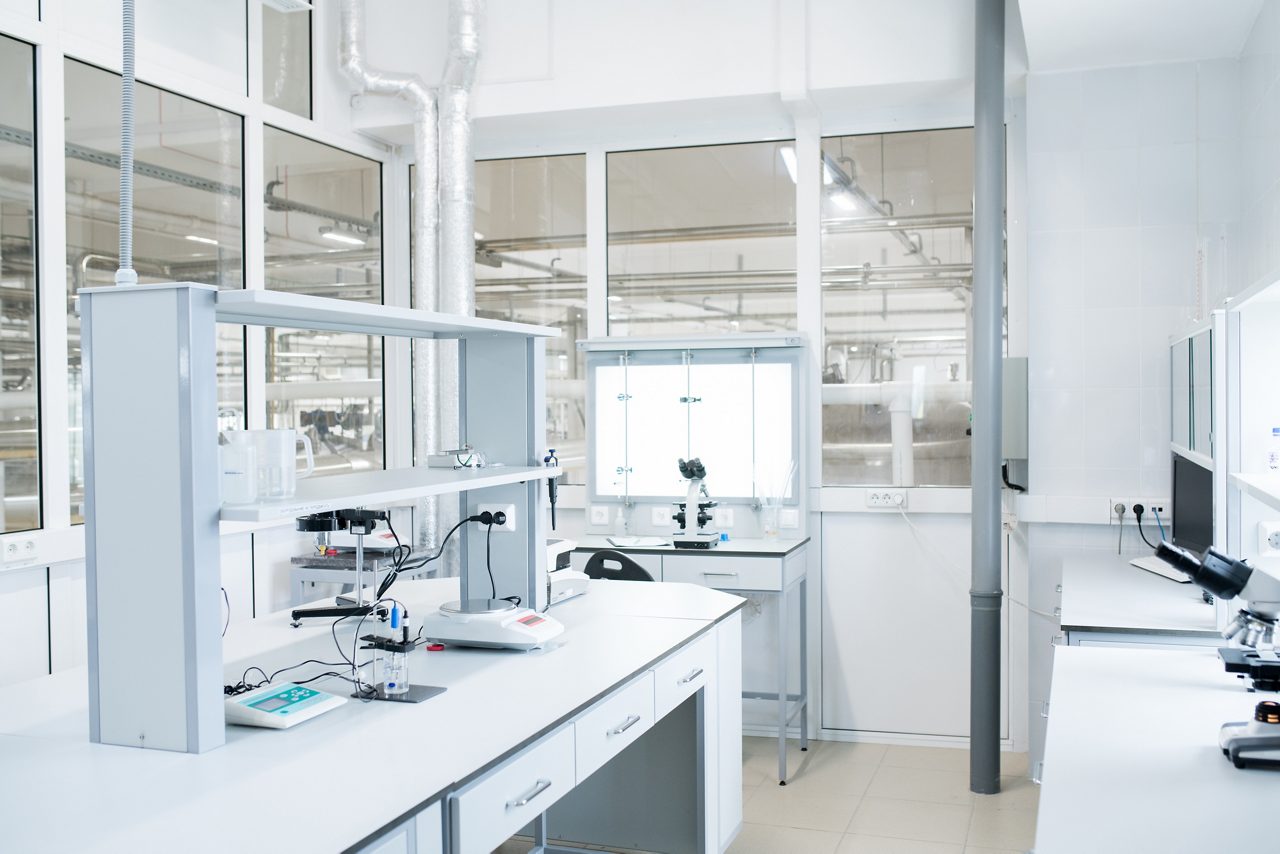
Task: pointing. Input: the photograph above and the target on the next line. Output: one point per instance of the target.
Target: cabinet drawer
(612, 724)
(680, 675)
(487, 812)
(728, 572)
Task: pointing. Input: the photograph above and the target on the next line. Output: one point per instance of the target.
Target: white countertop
(329, 782)
(1107, 594)
(746, 546)
(1132, 762)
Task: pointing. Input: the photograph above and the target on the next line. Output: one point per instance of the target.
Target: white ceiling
(1062, 36)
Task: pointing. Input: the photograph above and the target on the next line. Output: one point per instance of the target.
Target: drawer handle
(722, 574)
(539, 787)
(1037, 775)
(1044, 709)
(631, 721)
(692, 676)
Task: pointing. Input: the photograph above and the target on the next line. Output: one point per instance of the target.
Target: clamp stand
(359, 522)
(416, 693)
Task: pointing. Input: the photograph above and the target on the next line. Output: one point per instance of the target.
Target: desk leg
(804, 664)
(782, 687)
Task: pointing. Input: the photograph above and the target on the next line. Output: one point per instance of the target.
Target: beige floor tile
(1014, 829)
(758, 768)
(781, 807)
(826, 771)
(1014, 764)
(766, 839)
(854, 751)
(933, 758)
(1016, 793)
(972, 850)
(857, 844)
(911, 820)
(921, 784)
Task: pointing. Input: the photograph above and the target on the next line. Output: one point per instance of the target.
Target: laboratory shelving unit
(151, 459)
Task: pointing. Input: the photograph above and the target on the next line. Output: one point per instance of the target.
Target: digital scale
(279, 706)
(491, 624)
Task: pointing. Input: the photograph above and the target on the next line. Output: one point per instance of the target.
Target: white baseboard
(896, 738)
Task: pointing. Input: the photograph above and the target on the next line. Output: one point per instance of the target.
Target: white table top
(312, 787)
(744, 546)
(1132, 760)
(1107, 594)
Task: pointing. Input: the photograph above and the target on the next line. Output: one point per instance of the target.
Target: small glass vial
(395, 672)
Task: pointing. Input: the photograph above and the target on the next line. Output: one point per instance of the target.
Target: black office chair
(616, 566)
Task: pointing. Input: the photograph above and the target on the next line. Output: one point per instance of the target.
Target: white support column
(149, 357)
(597, 244)
(397, 373)
(255, 267)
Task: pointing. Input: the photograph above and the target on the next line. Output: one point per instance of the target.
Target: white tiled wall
(1259, 109)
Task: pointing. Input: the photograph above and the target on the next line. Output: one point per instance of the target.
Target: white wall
(1259, 106)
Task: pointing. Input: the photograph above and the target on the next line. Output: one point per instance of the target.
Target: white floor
(875, 799)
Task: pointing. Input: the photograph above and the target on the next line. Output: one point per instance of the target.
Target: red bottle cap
(435, 647)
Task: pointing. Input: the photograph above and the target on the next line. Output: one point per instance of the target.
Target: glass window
(324, 238)
(897, 222)
(531, 263)
(286, 60)
(19, 446)
(702, 240)
(188, 215)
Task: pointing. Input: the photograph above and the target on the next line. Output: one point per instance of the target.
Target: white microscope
(1254, 743)
(694, 510)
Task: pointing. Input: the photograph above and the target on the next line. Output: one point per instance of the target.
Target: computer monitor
(1192, 505)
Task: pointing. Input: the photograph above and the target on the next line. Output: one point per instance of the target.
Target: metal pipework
(426, 230)
(126, 275)
(985, 595)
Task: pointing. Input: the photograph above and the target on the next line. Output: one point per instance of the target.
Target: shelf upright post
(151, 475)
(503, 415)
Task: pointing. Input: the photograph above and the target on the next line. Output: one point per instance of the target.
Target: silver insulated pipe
(426, 233)
(125, 274)
(457, 212)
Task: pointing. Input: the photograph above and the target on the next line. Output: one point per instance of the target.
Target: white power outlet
(20, 551)
(892, 498)
(599, 515)
(723, 517)
(1150, 507)
(789, 517)
(508, 527)
(660, 517)
(1268, 539)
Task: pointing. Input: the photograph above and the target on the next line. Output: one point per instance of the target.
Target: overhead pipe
(986, 598)
(426, 233)
(125, 274)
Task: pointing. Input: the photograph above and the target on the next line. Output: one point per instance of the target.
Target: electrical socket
(507, 527)
(1150, 506)
(891, 498)
(1268, 539)
(599, 515)
(20, 551)
(789, 517)
(723, 517)
(660, 517)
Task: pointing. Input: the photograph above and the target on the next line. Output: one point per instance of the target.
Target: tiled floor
(845, 798)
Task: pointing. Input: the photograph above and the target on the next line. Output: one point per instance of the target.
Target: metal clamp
(692, 676)
(631, 721)
(538, 788)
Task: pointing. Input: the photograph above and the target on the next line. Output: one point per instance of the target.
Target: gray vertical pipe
(985, 595)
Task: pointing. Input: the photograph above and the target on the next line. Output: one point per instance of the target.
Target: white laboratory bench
(774, 567)
(444, 775)
(1106, 601)
(1132, 761)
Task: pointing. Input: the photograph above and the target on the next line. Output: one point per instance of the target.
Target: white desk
(775, 567)
(382, 776)
(1132, 760)
(1105, 601)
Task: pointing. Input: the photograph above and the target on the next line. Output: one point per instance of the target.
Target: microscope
(689, 537)
(1254, 743)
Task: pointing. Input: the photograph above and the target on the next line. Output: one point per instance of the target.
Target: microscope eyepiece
(1213, 571)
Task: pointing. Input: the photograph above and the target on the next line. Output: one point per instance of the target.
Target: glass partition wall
(324, 238)
(702, 240)
(531, 268)
(897, 224)
(188, 216)
(19, 423)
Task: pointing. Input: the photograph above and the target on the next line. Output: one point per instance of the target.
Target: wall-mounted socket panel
(890, 498)
(1268, 539)
(19, 551)
(788, 517)
(660, 517)
(722, 516)
(599, 515)
(1150, 506)
(508, 527)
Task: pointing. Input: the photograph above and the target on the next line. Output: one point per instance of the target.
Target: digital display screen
(270, 705)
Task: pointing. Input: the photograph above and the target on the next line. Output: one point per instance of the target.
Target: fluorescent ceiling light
(844, 199)
(347, 238)
(288, 5)
(614, 298)
(479, 236)
(198, 239)
(789, 160)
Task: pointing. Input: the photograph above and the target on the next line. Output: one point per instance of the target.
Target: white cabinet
(612, 724)
(24, 632)
(419, 834)
(683, 674)
(69, 638)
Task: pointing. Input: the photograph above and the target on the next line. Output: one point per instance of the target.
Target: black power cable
(1138, 510)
